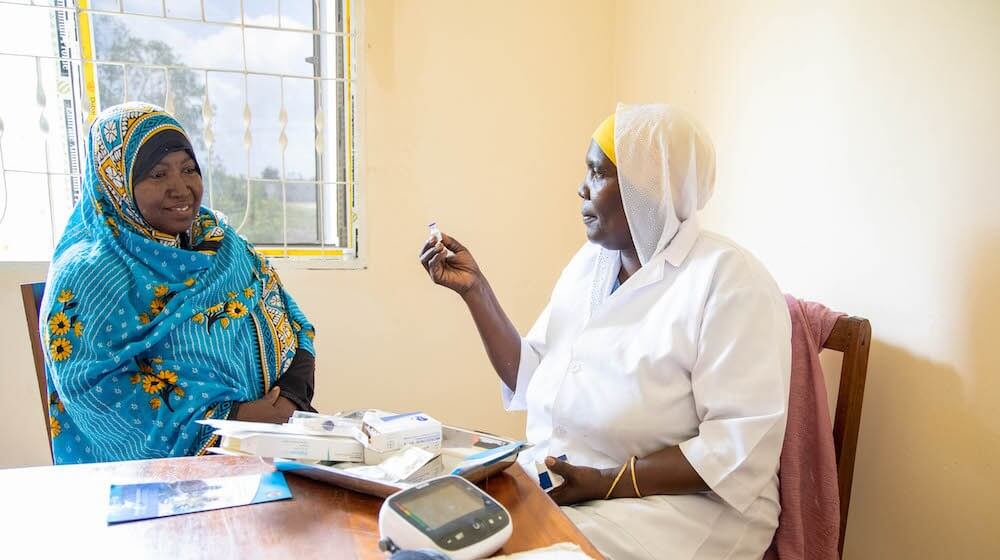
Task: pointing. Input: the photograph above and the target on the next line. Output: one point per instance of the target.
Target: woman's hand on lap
(581, 484)
(285, 407)
(272, 408)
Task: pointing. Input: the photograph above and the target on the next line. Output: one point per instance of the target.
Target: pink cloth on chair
(809, 525)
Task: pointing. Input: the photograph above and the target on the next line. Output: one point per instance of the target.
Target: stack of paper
(292, 440)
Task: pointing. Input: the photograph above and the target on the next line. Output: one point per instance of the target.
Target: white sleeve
(532, 352)
(740, 387)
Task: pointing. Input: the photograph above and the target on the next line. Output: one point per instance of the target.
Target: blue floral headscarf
(145, 335)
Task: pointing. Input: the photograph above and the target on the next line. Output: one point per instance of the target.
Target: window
(266, 89)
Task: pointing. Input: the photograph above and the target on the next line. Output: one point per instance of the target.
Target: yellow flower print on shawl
(161, 383)
(63, 324)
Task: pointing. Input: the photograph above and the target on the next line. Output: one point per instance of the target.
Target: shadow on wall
(940, 465)
(982, 307)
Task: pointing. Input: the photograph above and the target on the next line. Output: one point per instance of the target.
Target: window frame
(349, 253)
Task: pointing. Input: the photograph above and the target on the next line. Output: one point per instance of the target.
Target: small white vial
(435, 231)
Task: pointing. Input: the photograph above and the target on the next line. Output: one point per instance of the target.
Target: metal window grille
(267, 90)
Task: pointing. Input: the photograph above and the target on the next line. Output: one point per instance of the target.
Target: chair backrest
(852, 336)
(31, 294)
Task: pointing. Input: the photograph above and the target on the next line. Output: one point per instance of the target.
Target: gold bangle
(635, 485)
(615, 483)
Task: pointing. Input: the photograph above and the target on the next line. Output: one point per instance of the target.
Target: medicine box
(292, 446)
(392, 432)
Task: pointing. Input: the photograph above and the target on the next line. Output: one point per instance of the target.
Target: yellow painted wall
(478, 116)
(858, 151)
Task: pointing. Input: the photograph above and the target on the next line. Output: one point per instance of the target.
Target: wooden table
(50, 512)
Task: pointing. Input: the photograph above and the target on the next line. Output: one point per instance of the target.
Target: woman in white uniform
(659, 367)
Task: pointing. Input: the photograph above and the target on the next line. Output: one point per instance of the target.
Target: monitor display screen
(445, 503)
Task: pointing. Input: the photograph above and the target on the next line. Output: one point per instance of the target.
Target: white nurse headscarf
(666, 173)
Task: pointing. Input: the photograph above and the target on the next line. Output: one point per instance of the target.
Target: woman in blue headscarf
(156, 312)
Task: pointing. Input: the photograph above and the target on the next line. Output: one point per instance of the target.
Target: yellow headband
(605, 138)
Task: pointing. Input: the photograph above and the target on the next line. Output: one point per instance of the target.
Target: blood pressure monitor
(449, 514)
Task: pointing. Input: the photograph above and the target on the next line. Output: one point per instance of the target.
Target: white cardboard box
(293, 446)
(392, 432)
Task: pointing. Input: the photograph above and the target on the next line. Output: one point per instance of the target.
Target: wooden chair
(852, 336)
(31, 295)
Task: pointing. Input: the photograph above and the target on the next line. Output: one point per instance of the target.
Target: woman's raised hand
(457, 270)
(451, 265)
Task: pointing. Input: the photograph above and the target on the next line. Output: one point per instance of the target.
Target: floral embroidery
(162, 384)
(111, 224)
(61, 349)
(55, 407)
(54, 401)
(161, 297)
(60, 324)
(156, 306)
(236, 309)
(155, 383)
(189, 282)
(248, 292)
(222, 313)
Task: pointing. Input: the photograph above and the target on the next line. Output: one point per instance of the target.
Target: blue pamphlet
(132, 502)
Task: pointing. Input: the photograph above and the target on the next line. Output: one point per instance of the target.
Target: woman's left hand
(581, 484)
(285, 407)
(272, 408)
